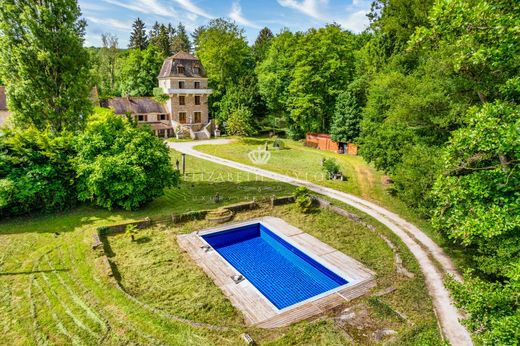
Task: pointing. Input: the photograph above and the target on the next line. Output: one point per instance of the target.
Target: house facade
(185, 113)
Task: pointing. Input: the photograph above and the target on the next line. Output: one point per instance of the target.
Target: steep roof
(134, 105)
(3, 99)
(192, 66)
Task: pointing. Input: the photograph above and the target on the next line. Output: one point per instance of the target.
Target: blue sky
(116, 16)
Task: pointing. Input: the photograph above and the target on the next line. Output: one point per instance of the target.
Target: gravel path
(423, 248)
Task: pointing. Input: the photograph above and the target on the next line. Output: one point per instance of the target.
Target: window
(181, 84)
(163, 117)
(197, 85)
(140, 117)
(180, 69)
(197, 117)
(196, 70)
(197, 100)
(182, 100)
(182, 117)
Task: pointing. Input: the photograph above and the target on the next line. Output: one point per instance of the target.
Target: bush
(330, 167)
(278, 144)
(303, 199)
(120, 165)
(239, 122)
(36, 174)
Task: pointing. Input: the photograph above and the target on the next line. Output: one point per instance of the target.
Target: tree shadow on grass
(192, 195)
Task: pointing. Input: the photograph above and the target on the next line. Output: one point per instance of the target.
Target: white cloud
(356, 21)
(236, 15)
(146, 7)
(191, 7)
(308, 7)
(114, 23)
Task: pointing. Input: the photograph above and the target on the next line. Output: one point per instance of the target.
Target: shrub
(330, 167)
(278, 144)
(239, 122)
(35, 172)
(131, 231)
(303, 199)
(121, 165)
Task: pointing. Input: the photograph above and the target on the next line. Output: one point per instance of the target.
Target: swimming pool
(282, 272)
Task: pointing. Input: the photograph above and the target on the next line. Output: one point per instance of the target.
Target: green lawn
(54, 288)
(363, 180)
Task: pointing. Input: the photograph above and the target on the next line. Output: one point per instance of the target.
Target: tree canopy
(45, 88)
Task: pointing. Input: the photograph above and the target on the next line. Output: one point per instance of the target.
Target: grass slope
(54, 289)
(362, 179)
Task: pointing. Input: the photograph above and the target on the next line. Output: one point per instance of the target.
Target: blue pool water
(284, 274)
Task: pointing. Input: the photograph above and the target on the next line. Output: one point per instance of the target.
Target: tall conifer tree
(138, 37)
(44, 64)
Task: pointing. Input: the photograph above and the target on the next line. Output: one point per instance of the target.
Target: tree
(303, 73)
(121, 165)
(347, 115)
(223, 50)
(261, 44)
(45, 88)
(239, 122)
(140, 71)
(138, 38)
(109, 54)
(180, 41)
(35, 171)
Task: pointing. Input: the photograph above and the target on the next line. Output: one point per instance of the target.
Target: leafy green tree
(347, 115)
(140, 70)
(478, 205)
(163, 41)
(244, 93)
(239, 122)
(261, 44)
(35, 171)
(225, 54)
(302, 75)
(121, 165)
(45, 88)
(180, 41)
(138, 37)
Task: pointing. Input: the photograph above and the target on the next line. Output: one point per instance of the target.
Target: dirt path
(423, 248)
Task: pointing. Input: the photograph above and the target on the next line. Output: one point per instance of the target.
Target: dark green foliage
(303, 199)
(347, 115)
(330, 167)
(180, 41)
(45, 88)
(35, 172)
(303, 73)
(223, 50)
(138, 37)
(140, 71)
(415, 175)
(493, 307)
(120, 165)
(261, 44)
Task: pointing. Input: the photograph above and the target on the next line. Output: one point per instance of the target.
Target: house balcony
(190, 91)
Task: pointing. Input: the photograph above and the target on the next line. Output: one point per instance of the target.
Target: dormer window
(180, 69)
(196, 70)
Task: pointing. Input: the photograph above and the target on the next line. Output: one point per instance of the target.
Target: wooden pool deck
(257, 309)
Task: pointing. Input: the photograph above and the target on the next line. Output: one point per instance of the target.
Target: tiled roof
(134, 105)
(3, 99)
(183, 56)
(192, 66)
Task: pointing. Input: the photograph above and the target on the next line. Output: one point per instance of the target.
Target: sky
(116, 16)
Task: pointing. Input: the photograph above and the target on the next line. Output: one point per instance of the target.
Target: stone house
(183, 79)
